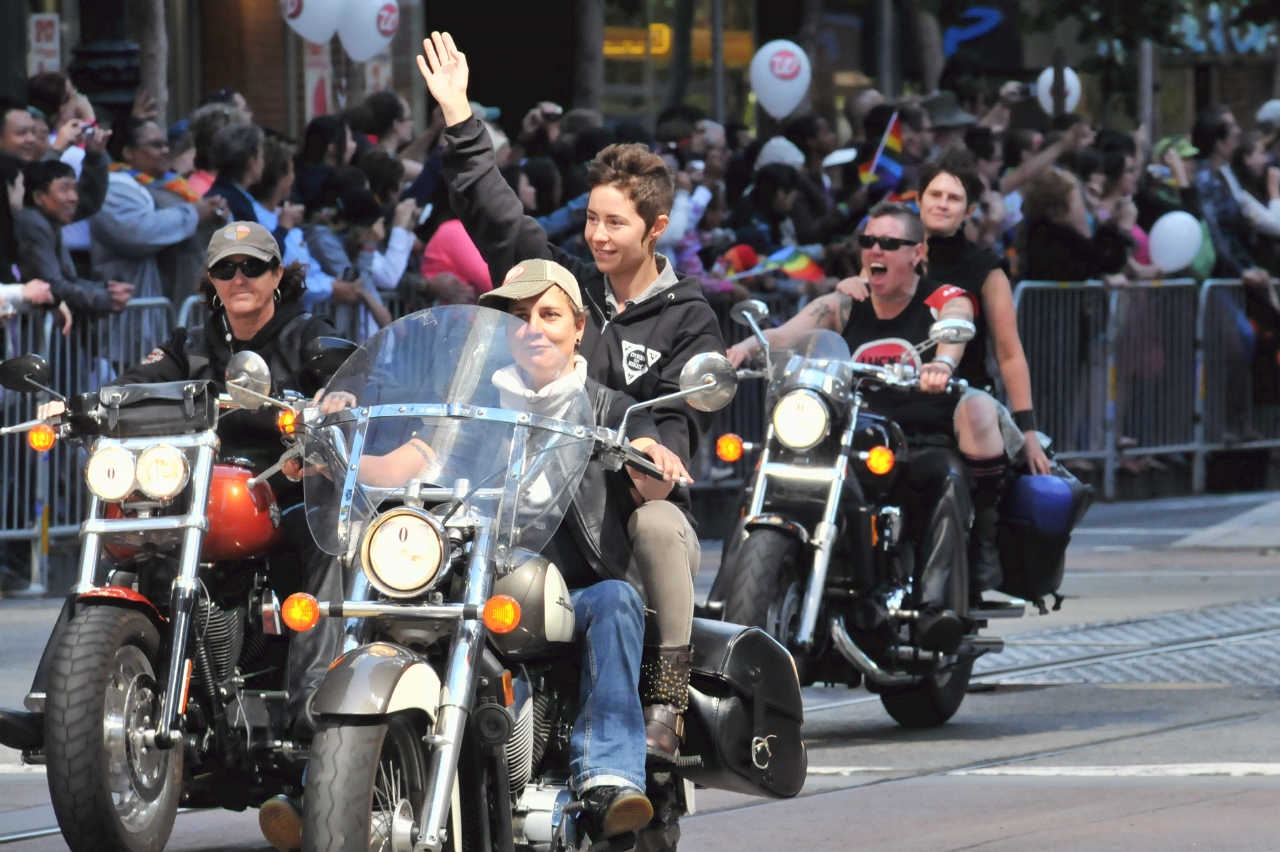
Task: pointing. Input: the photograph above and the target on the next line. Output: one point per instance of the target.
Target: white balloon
(1044, 90)
(1175, 240)
(780, 77)
(367, 26)
(314, 20)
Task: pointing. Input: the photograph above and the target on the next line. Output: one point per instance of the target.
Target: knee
(657, 520)
(617, 597)
(976, 414)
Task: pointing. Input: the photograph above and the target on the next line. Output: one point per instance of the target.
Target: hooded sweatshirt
(640, 351)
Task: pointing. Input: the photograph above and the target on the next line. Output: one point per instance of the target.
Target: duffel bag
(1037, 515)
(744, 713)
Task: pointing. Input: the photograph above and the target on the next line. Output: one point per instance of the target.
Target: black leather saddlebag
(744, 713)
(147, 410)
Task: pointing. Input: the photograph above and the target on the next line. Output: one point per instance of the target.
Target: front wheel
(933, 701)
(111, 790)
(366, 780)
(765, 583)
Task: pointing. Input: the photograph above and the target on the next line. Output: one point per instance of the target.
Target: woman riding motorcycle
(594, 547)
(255, 304)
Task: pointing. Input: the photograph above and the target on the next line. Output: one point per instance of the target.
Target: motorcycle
(165, 677)
(818, 558)
(446, 721)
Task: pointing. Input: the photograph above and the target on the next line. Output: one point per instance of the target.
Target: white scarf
(554, 400)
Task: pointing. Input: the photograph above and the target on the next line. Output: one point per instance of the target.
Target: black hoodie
(640, 351)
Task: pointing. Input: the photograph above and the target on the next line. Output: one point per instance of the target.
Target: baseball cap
(1179, 144)
(530, 278)
(242, 238)
(486, 113)
(1269, 114)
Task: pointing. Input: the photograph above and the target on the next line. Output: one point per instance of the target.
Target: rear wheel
(365, 785)
(933, 701)
(112, 791)
(766, 572)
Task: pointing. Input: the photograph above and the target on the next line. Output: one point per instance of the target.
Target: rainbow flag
(886, 165)
(794, 264)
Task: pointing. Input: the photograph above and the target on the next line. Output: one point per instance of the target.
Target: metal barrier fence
(1156, 367)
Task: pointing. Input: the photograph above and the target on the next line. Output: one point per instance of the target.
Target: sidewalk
(1256, 529)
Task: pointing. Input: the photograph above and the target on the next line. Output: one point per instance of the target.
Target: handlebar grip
(639, 461)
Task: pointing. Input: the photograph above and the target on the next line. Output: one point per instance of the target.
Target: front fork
(194, 524)
(455, 701)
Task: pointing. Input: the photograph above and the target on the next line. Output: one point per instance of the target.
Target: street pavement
(1143, 715)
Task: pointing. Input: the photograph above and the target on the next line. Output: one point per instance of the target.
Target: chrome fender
(378, 679)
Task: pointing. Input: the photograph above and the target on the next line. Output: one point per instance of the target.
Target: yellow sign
(632, 43)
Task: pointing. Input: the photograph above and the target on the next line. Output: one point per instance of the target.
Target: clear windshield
(817, 352)
(455, 400)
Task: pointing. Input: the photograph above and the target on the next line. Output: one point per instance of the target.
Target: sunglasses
(867, 241)
(252, 267)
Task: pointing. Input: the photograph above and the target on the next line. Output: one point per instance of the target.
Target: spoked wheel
(111, 788)
(933, 701)
(365, 785)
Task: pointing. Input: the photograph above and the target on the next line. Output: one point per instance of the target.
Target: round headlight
(801, 419)
(110, 473)
(403, 551)
(162, 472)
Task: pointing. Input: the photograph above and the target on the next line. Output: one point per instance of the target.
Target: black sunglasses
(887, 243)
(225, 270)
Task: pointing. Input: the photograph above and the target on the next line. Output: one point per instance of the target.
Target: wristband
(948, 360)
(1025, 420)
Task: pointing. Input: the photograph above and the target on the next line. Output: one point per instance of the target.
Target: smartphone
(426, 213)
(89, 129)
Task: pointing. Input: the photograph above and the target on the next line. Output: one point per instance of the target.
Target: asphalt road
(1110, 724)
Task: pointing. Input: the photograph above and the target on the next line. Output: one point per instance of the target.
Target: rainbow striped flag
(794, 264)
(886, 165)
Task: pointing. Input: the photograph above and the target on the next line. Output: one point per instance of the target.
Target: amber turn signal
(287, 421)
(42, 438)
(300, 612)
(729, 448)
(880, 460)
(501, 614)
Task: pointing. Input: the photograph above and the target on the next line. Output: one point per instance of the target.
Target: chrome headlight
(801, 419)
(110, 473)
(162, 472)
(402, 552)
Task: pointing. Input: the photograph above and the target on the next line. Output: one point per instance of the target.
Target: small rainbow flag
(886, 165)
(794, 264)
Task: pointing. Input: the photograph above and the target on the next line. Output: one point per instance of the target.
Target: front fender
(781, 524)
(377, 679)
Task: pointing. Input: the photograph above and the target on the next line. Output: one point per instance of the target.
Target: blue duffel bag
(1037, 516)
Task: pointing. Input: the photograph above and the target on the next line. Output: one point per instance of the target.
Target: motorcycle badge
(636, 360)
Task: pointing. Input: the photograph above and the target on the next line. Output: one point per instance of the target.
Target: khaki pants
(665, 557)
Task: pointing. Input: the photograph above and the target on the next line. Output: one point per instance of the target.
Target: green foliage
(1127, 21)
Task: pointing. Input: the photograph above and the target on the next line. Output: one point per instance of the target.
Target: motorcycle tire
(932, 702)
(110, 792)
(359, 772)
(768, 561)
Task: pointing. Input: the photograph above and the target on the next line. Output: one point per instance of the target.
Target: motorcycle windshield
(453, 402)
(817, 355)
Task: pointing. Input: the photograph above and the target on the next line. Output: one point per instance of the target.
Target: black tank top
(954, 260)
(883, 341)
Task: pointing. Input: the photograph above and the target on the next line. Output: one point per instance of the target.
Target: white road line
(1155, 770)
(1135, 531)
(847, 770)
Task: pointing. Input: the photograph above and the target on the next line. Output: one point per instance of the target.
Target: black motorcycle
(819, 559)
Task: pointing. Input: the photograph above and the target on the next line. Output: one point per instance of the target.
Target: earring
(217, 302)
(276, 295)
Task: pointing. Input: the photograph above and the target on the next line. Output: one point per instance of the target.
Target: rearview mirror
(26, 374)
(952, 331)
(248, 380)
(324, 355)
(709, 380)
(753, 308)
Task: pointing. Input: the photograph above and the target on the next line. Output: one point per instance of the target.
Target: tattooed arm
(831, 312)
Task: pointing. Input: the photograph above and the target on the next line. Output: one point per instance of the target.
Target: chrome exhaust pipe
(983, 644)
(862, 662)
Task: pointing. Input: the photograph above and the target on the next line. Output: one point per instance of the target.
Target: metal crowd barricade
(25, 474)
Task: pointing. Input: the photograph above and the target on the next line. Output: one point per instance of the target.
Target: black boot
(985, 573)
(22, 730)
(611, 811)
(664, 692)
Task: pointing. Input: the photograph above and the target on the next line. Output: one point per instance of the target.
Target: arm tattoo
(820, 311)
(846, 308)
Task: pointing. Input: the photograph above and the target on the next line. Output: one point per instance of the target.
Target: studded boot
(664, 692)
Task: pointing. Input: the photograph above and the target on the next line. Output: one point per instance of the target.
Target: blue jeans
(607, 748)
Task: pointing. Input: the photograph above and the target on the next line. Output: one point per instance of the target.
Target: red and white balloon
(367, 27)
(780, 77)
(314, 20)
